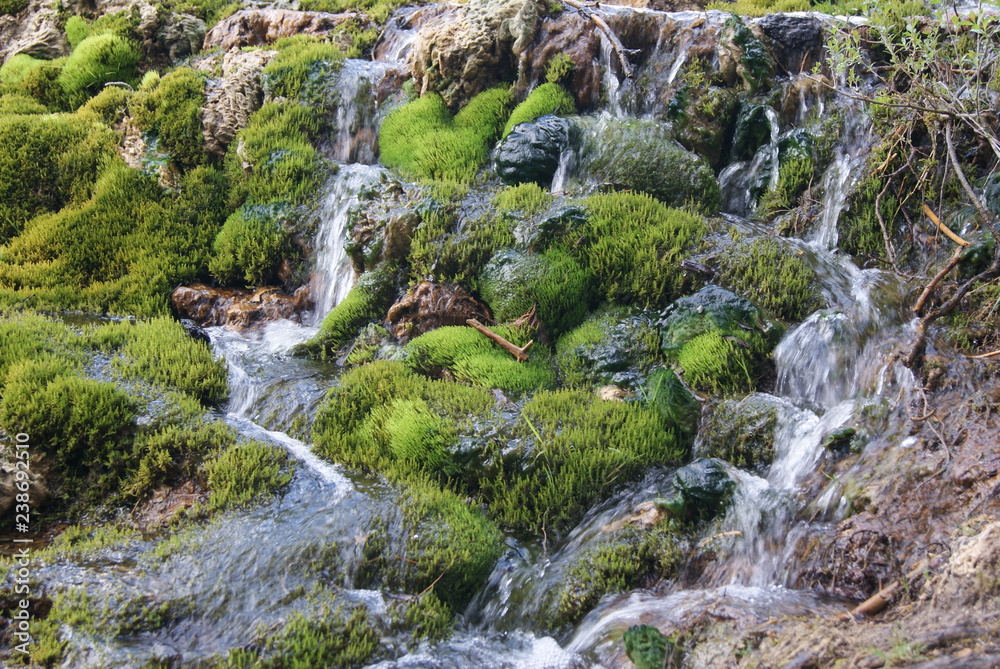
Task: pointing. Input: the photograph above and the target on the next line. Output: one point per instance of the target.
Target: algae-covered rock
(540, 233)
(753, 130)
(531, 151)
(553, 282)
(665, 392)
(742, 432)
(611, 347)
(643, 155)
(742, 57)
(647, 647)
(703, 489)
(704, 119)
(720, 340)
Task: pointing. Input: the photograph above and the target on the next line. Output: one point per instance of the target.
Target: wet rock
(710, 308)
(972, 574)
(741, 432)
(753, 130)
(35, 31)
(38, 491)
(742, 56)
(257, 27)
(238, 307)
(665, 391)
(703, 121)
(703, 489)
(465, 51)
(530, 153)
(231, 100)
(381, 226)
(646, 515)
(401, 30)
(796, 41)
(573, 35)
(614, 393)
(539, 234)
(180, 35)
(433, 305)
(610, 349)
(858, 562)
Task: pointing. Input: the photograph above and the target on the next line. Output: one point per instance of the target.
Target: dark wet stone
(531, 151)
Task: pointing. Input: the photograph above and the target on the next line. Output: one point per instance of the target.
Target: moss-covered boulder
(610, 347)
(251, 245)
(664, 392)
(643, 155)
(634, 246)
(721, 341)
(702, 490)
(742, 432)
(648, 647)
(553, 282)
(754, 129)
(549, 99)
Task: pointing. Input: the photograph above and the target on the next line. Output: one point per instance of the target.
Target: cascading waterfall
(743, 181)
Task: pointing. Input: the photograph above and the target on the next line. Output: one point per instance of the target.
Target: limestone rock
(465, 51)
(180, 35)
(433, 305)
(796, 40)
(35, 31)
(257, 27)
(38, 492)
(230, 101)
(575, 36)
(238, 307)
(400, 31)
(972, 574)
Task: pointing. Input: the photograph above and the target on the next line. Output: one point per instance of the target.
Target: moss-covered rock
(445, 248)
(772, 274)
(643, 155)
(173, 111)
(514, 282)
(250, 246)
(648, 647)
(241, 474)
(368, 301)
(610, 347)
(742, 432)
(634, 245)
(550, 98)
(702, 490)
(96, 61)
(303, 70)
(720, 340)
(665, 392)
(753, 130)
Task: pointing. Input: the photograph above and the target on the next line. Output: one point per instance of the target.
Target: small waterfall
(847, 163)
(358, 114)
(744, 181)
(333, 274)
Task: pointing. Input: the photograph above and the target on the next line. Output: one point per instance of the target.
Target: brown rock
(573, 35)
(230, 101)
(238, 307)
(433, 305)
(165, 503)
(613, 394)
(645, 515)
(38, 491)
(257, 27)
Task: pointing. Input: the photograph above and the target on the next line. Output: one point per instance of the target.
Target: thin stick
(730, 533)
(944, 228)
(984, 355)
(616, 43)
(516, 351)
(918, 308)
(880, 599)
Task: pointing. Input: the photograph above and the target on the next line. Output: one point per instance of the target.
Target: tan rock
(35, 31)
(238, 307)
(258, 27)
(230, 101)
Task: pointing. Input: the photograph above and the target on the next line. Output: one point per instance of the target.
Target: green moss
(794, 176)
(302, 69)
(77, 29)
(161, 351)
(559, 68)
(272, 159)
(96, 61)
(634, 246)
(377, 10)
(715, 364)
(642, 155)
(665, 393)
(368, 301)
(173, 111)
(17, 68)
(423, 140)
(240, 475)
(512, 283)
(574, 449)
(249, 247)
(42, 84)
(760, 7)
(472, 357)
(45, 162)
(609, 347)
(210, 11)
(528, 198)
(14, 103)
(630, 558)
(429, 618)
(550, 98)
(108, 107)
(773, 276)
(444, 250)
(12, 7)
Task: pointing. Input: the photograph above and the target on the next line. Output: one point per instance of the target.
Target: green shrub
(173, 111)
(160, 351)
(17, 68)
(772, 275)
(249, 248)
(240, 475)
(550, 98)
(368, 301)
(634, 246)
(642, 155)
(513, 282)
(471, 356)
(304, 65)
(631, 558)
(272, 159)
(423, 140)
(528, 198)
(45, 162)
(574, 449)
(96, 61)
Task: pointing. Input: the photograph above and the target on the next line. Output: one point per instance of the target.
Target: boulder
(703, 489)
(230, 101)
(711, 308)
(531, 151)
(574, 36)
(35, 31)
(238, 307)
(429, 306)
(796, 40)
(260, 26)
(742, 432)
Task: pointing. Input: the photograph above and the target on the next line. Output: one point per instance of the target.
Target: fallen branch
(516, 351)
(880, 599)
(918, 308)
(944, 228)
(991, 354)
(730, 533)
(603, 26)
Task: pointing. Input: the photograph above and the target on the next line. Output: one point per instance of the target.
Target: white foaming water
(739, 181)
(298, 449)
(848, 161)
(333, 276)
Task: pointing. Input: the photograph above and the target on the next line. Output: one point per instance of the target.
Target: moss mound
(470, 356)
(423, 140)
(513, 282)
(173, 111)
(633, 245)
(642, 155)
(550, 98)
(368, 301)
(527, 198)
(773, 275)
(241, 474)
(96, 61)
(448, 250)
(302, 71)
(250, 246)
(574, 448)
